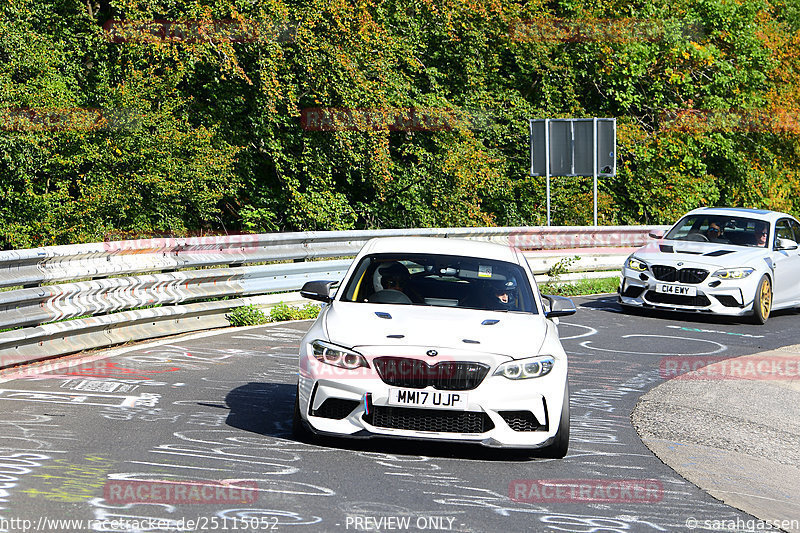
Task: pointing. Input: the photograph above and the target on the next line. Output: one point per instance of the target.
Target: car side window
(796, 227)
(783, 230)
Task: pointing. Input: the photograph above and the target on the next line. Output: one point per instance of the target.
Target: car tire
(762, 302)
(558, 449)
(300, 431)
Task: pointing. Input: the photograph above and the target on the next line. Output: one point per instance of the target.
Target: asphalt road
(182, 416)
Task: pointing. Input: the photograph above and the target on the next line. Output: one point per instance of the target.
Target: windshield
(737, 231)
(440, 280)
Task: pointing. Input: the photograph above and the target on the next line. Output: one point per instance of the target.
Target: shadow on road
(266, 409)
(263, 408)
(608, 303)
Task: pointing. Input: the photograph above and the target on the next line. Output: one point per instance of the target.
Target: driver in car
(761, 232)
(714, 232)
(395, 276)
(503, 295)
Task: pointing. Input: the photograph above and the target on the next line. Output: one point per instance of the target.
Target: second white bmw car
(440, 339)
(728, 261)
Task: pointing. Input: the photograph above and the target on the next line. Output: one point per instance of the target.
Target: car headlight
(533, 367)
(331, 354)
(636, 264)
(733, 273)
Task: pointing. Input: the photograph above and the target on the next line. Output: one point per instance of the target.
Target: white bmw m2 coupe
(727, 261)
(436, 339)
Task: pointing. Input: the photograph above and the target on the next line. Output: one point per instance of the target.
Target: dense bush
(247, 315)
(205, 134)
(282, 312)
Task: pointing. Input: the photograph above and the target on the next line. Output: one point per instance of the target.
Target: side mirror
(317, 290)
(656, 234)
(786, 244)
(559, 306)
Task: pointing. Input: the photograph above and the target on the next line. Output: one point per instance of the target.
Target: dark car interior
(738, 231)
(444, 281)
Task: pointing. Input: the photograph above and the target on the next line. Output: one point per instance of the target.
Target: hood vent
(717, 253)
(381, 314)
(666, 248)
(489, 322)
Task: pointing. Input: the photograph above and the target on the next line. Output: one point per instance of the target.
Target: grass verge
(580, 287)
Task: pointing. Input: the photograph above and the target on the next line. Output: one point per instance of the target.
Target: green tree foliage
(121, 131)
(137, 165)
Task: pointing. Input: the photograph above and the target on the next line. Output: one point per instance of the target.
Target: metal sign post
(573, 147)
(547, 164)
(594, 167)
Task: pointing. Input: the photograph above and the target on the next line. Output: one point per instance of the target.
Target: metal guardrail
(61, 263)
(49, 303)
(100, 281)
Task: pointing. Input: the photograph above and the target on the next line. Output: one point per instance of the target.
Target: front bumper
(498, 413)
(723, 297)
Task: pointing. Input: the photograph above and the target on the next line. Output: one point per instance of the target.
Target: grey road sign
(573, 147)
